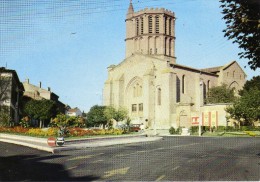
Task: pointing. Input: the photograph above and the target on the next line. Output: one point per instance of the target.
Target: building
(39, 93)
(74, 112)
(155, 89)
(11, 91)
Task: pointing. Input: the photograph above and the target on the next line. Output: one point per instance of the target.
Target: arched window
(165, 46)
(170, 26)
(157, 24)
(233, 74)
(150, 21)
(137, 90)
(183, 84)
(137, 26)
(170, 47)
(227, 74)
(159, 96)
(140, 91)
(142, 25)
(178, 89)
(134, 91)
(165, 25)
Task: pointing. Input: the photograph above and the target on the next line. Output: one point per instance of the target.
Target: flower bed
(72, 132)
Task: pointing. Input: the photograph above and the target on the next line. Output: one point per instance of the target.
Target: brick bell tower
(150, 32)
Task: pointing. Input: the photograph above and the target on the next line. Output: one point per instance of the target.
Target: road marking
(116, 171)
(191, 160)
(134, 153)
(71, 167)
(98, 161)
(184, 145)
(203, 156)
(83, 157)
(160, 178)
(176, 168)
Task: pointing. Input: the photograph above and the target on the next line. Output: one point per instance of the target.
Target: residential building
(39, 93)
(74, 112)
(11, 91)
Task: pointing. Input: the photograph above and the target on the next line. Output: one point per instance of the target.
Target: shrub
(25, 122)
(249, 128)
(70, 121)
(252, 134)
(221, 128)
(40, 132)
(172, 130)
(5, 119)
(194, 129)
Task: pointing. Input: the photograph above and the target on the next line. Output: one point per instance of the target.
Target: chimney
(40, 85)
(27, 80)
(49, 89)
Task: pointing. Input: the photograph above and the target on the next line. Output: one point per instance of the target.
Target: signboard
(51, 141)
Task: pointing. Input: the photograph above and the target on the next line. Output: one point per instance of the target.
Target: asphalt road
(170, 159)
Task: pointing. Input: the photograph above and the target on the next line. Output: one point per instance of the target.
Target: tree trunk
(40, 123)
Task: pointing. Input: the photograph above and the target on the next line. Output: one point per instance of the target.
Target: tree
(5, 83)
(116, 114)
(96, 116)
(220, 94)
(247, 108)
(254, 82)
(41, 110)
(242, 18)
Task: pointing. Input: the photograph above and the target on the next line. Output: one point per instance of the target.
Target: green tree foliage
(242, 18)
(5, 119)
(220, 94)
(41, 110)
(247, 108)
(254, 82)
(5, 83)
(96, 116)
(116, 114)
(62, 120)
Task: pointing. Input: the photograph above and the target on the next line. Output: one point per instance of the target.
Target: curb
(104, 141)
(38, 147)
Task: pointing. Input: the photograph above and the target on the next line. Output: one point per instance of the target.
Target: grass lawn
(231, 134)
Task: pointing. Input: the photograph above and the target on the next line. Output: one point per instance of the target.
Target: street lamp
(201, 83)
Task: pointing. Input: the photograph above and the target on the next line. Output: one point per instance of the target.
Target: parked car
(135, 127)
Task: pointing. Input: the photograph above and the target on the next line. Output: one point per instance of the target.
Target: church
(156, 90)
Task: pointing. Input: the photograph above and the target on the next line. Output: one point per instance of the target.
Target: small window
(159, 102)
(165, 25)
(137, 27)
(134, 107)
(142, 25)
(141, 107)
(227, 74)
(150, 19)
(183, 84)
(157, 24)
(170, 26)
(151, 51)
(233, 74)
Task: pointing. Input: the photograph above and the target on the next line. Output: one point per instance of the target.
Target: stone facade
(155, 89)
(11, 91)
(38, 93)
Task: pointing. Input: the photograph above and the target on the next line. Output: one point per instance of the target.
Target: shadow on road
(31, 168)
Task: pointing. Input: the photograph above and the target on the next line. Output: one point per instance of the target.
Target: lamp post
(201, 83)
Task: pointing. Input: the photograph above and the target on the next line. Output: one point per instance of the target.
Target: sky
(68, 45)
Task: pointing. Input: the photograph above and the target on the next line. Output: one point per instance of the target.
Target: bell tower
(150, 32)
